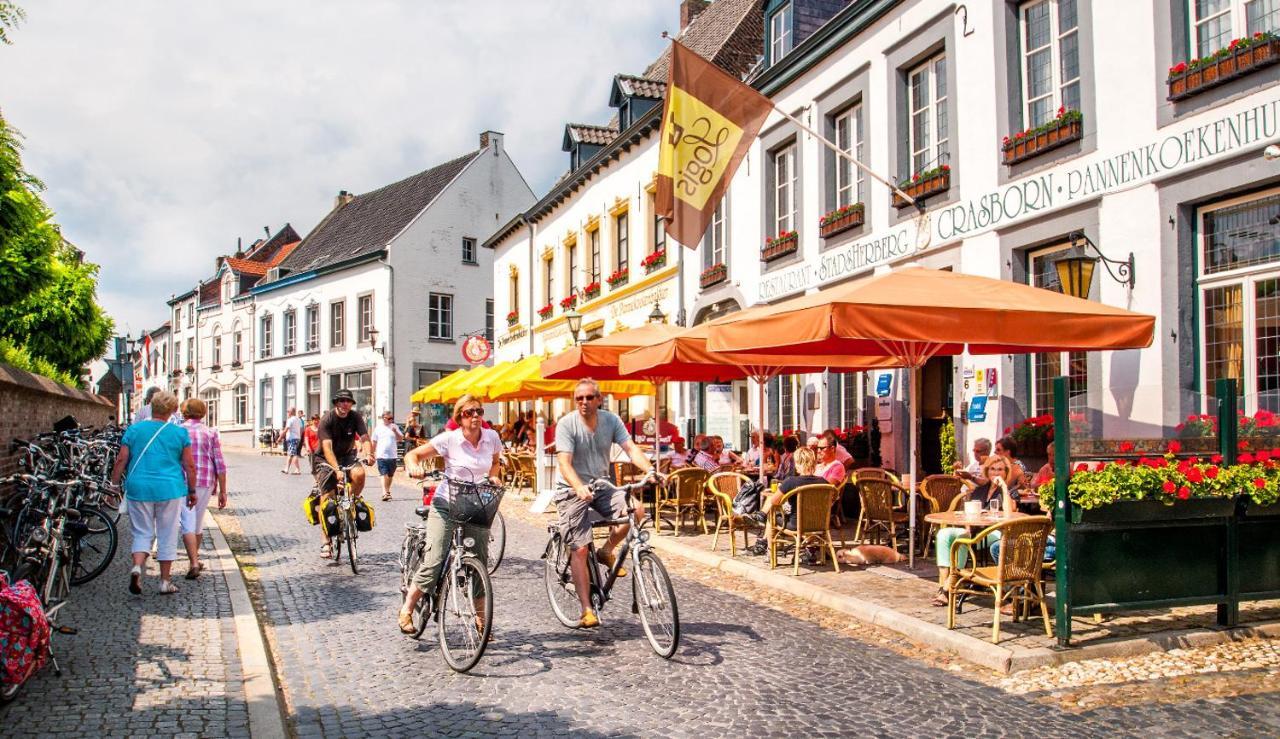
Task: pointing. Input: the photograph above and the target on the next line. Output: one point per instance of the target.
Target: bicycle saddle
(423, 511)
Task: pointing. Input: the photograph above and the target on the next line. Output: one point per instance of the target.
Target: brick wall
(30, 404)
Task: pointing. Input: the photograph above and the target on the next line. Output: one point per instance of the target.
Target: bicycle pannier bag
(24, 632)
(311, 508)
(330, 518)
(364, 515)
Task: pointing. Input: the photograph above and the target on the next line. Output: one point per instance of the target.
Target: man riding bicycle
(583, 442)
(344, 438)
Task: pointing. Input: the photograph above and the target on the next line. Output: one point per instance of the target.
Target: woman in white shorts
(211, 472)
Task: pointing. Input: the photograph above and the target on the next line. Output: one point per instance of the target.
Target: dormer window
(780, 33)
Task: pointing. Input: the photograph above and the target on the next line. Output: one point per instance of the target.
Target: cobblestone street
(743, 669)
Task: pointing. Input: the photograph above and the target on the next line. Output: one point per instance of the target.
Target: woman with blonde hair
(211, 470)
(162, 471)
(470, 452)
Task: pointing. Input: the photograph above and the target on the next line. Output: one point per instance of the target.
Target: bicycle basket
(474, 503)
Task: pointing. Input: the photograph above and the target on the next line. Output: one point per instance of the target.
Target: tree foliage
(10, 16)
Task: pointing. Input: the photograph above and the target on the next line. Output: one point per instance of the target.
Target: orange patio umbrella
(913, 314)
(598, 358)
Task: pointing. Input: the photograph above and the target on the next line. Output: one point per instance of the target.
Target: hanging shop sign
(476, 349)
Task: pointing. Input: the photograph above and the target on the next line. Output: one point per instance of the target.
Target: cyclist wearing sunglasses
(584, 439)
(344, 438)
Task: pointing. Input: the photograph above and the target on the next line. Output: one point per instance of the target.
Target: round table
(960, 520)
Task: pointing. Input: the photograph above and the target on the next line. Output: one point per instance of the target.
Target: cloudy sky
(166, 130)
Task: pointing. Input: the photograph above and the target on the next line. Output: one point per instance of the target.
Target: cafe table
(959, 519)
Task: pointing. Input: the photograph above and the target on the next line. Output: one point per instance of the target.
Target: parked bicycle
(461, 603)
(653, 597)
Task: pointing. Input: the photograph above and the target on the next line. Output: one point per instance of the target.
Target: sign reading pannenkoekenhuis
(1241, 125)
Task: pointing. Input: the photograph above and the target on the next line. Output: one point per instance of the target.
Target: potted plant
(780, 246)
(713, 275)
(1068, 126)
(619, 277)
(545, 311)
(237, 364)
(1032, 435)
(592, 290)
(924, 184)
(513, 318)
(568, 302)
(841, 219)
(654, 261)
(1242, 56)
(215, 367)
(191, 370)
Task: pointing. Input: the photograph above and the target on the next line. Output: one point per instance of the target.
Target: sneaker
(135, 580)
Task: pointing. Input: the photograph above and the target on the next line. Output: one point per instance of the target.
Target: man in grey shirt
(583, 441)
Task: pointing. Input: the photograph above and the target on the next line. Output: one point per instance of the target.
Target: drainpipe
(388, 352)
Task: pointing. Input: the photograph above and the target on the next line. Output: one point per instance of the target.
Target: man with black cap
(344, 438)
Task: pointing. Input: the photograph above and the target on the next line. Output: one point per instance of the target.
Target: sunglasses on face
(824, 446)
(473, 413)
(584, 398)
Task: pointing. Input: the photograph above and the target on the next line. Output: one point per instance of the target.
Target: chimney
(343, 198)
(690, 9)
(490, 137)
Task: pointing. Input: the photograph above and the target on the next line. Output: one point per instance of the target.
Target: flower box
(591, 291)
(237, 365)
(923, 185)
(713, 275)
(545, 311)
(215, 367)
(654, 261)
(1257, 510)
(619, 278)
(568, 302)
(191, 370)
(1155, 510)
(842, 219)
(513, 318)
(1067, 127)
(1241, 57)
(780, 246)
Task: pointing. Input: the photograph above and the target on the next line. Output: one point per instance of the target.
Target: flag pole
(832, 146)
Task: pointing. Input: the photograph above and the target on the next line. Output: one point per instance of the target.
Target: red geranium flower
(1242, 445)
(1126, 446)
(1184, 492)
(1169, 487)
(1246, 458)
(1211, 473)
(1195, 476)
(1259, 483)
(1216, 459)
(1262, 455)
(1175, 447)
(1082, 467)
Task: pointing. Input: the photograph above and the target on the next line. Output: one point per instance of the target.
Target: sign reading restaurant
(1246, 125)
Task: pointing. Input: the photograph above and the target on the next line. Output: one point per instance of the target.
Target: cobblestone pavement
(148, 665)
(743, 669)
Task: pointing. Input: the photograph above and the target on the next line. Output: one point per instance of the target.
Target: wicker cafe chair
(878, 512)
(1015, 577)
(812, 505)
(681, 494)
(856, 477)
(524, 475)
(721, 489)
(943, 493)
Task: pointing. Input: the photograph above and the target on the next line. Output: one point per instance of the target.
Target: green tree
(10, 16)
(28, 238)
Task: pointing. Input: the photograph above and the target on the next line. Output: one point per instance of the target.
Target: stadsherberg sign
(1243, 125)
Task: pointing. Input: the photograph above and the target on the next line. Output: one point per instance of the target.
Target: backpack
(747, 501)
(24, 632)
(364, 515)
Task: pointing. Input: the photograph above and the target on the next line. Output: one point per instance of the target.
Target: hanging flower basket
(513, 318)
(1242, 56)
(1067, 127)
(591, 291)
(780, 246)
(654, 261)
(545, 311)
(620, 277)
(713, 275)
(924, 184)
(842, 219)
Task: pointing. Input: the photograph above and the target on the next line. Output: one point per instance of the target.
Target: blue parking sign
(978, 408)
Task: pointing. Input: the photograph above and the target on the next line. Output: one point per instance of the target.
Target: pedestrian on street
(386, 443)
(311, 438)
(144, 410)
(293, 424)
(162, 472)
(211, 471)
(413, 432)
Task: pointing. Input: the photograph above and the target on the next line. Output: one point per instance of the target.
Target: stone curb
(266, 720)
(983, 654)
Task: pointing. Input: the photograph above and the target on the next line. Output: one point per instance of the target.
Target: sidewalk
(144, 665)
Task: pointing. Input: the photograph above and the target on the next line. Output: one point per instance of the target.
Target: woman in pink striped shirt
(211, 470)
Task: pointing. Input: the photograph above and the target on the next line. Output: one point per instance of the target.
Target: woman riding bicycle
(470, 452)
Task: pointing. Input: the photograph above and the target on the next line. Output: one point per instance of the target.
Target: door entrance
(935, 383)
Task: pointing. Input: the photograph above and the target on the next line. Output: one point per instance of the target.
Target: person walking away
(583, 441)
(144, 410)
(311, 438)
(470, 452)
(293, 442)
(344, 438)
(386, 440)
(162, 472)
(211, 472)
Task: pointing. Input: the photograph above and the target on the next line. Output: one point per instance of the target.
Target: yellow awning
(525, 382)
(439, 391)
(482, 386)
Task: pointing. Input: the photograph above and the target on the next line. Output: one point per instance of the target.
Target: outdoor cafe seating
(681, 495)
(1014, 578)
(812, 525)
(720, 489)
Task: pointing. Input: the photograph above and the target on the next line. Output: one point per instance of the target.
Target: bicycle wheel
(349, 534)
(656, 602)
(462, 643)
(559, 581)
(92, 550)
(497, 542)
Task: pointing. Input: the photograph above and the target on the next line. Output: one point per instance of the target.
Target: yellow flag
(708, 122)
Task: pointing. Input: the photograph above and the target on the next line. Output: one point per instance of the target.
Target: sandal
(167, 588)
(386, 496)
(589, 620)
(940, 599)
(406, 624)
(194, 572)
(135, 580)
(326, 551)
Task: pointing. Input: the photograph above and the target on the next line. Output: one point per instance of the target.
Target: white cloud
(166, 130)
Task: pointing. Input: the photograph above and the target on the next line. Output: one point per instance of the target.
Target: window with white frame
(266, 335)
(338, 324)
(513, 296)
(313, 328)
(469, 250)
(844, 395)
(1050, 59)
(191, 352)
(549, 280)
(593, 259)
(927, 131)
(210, 398)
(779, 33)
(850, 180)
(784, 189)
(440, 317)
(488, 320)
(191, 314)
(1214, 23)
(240, 400)
(1239, 286)
(1046, 366)
(266, 399)
(237, 346)
(216, 359)
(290, 388)
(571, 268)
(365, 312)
(658, 239)
(290, 329)
(715, 245)
(621, 242)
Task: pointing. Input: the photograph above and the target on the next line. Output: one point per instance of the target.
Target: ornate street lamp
(574, 319)
(656, 315)
(1075, 270)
